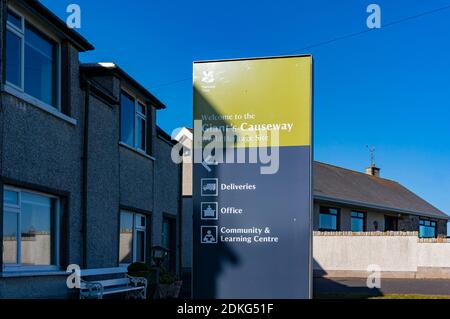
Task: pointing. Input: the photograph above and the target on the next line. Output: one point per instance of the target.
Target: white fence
(398, 254)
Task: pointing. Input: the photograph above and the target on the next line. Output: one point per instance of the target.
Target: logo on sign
(208, 77)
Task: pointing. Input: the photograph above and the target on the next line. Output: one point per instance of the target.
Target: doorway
(390, 223)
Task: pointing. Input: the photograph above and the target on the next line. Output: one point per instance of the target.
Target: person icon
(209, 238)
(209, 235)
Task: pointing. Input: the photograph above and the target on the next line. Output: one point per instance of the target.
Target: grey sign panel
(259, 245)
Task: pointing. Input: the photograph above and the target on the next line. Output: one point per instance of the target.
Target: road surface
(388, 286)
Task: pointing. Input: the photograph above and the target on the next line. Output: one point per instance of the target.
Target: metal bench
(133, 287)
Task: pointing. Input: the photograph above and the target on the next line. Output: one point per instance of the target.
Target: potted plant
(169, 284)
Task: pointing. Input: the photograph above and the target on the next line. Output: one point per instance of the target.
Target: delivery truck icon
(209, 186)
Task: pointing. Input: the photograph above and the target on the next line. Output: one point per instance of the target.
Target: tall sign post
(252, 178)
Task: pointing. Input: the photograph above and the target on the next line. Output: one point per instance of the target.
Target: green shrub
(136, 267)
(166, 277)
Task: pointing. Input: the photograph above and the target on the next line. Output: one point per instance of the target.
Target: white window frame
(17, 209)
(138, 115)
(21, 34)
(136, 228)
(142, 229)
(20, 91)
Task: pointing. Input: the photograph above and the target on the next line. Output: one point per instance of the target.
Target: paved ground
(388, 286)
(185, 292)
(356, 286)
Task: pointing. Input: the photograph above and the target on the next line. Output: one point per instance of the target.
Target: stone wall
(398, 254)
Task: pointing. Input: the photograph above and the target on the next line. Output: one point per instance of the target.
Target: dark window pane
(355, 214)
(333, 211)
(140, 246)
(357, 224)
(166, 234)
(168, 242)
(13, 59)
(140, 132)
(426, 232)
(14, 19)
(328, 210)
(10, 222)
(142, 221)
(127, 118)
(141, 108)
(357, 221)
(11, 198)
(40, 67)
(126, 238)
(328, 221)
(36, 234)
(427, 229)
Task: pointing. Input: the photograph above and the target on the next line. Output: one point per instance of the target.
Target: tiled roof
(338, 184)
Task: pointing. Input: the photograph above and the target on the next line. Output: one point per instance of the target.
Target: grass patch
(374, 296)
(411, 296)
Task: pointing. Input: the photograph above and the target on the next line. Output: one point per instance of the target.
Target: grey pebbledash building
(86, 175)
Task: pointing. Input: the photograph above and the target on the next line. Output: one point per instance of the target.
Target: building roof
(336, 184)
(40, 10)
(110, 68)
(183, 135)
(165, 136)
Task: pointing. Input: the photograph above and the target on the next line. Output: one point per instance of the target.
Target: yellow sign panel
(256, 96)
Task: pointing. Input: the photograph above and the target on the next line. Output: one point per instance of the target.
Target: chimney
(373, 170)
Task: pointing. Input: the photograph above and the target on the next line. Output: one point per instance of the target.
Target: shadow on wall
(327, 288)
(211, 118)
(217, 262)
(213, 259)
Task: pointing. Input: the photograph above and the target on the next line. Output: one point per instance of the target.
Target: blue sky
(388, 88)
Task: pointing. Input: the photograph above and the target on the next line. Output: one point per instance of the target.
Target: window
(168, 242)
(329, 218)
(15, 20)
(31, 61)
(30, 228)
(427, 228)
(390, 223)
(133, 122)
(358, 221)
(132, 244)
